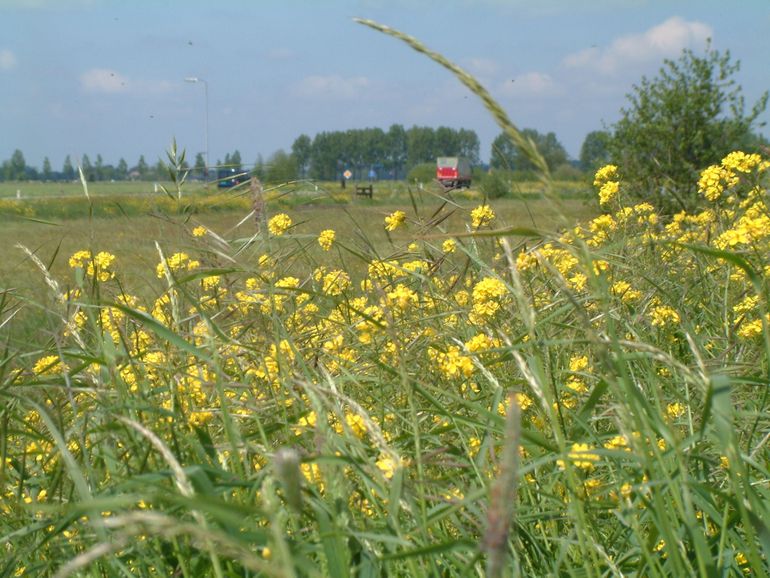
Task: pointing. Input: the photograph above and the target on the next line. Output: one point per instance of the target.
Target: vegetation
(595, 150)
(685, 119)
(444, 394)
(506, 154)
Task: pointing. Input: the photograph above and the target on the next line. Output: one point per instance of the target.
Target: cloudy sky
(107, 76)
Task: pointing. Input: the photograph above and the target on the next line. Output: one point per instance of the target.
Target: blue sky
(107, 76)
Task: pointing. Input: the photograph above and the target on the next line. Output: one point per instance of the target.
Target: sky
(108, 76)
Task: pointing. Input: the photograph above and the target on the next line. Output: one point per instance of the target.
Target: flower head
(582, 456)
(394, 220)
(326, 238)
(482, 215)
(279, 224)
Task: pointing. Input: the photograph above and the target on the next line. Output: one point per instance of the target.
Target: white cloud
(103, 80)
(662, 41)
(7, 60)
(529, 84)
(332, 87)
(481, 66)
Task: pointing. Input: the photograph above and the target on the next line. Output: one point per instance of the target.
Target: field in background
(131, 234)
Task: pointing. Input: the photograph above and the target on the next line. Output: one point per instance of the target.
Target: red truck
(453, 172)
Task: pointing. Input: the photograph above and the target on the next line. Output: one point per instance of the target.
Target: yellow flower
(279, 224)
(741, 162)
(395, 220)
(199, 231)
(356, 423)
(626, 293)
(488, 297)
(388, 465)
(675, 410)
(714, 180)
(578, 362)
(663, 315)
(617, 442)
(608, 192)
(449, 246)
(177, 262)
(582, 456)
(326, 238)
(604, 174)
(94, 265)
(49, 365)
(482, 215)
(335, 282)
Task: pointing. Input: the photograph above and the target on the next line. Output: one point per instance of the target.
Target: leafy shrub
(422, 173)
(495, 185)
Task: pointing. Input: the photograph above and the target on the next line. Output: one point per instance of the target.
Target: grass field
(133, 236)
(433, 389)
(402, 387)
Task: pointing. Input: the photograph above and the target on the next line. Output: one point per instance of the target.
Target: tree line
(17, 169)
(676, 124)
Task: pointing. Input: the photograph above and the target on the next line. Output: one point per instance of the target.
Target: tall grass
(462, 398)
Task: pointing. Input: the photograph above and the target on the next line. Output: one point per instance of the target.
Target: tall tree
(142, 168)
(68, 171)
(595, 150)
(421, 145)
(199, 168)
(468, 145)
(87, 168)
(47, 171)
(121, 172)
(302, 149)
(505, 155)
(99, 168)
(396, 151)
(18, 166)
(235, 160)
(282, 167)
(686, 118)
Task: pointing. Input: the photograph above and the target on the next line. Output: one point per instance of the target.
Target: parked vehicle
(453, 172)
(230, 177)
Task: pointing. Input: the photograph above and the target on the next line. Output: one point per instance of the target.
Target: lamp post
(205, 118)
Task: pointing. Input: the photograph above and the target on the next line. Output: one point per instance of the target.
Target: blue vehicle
(230, 177)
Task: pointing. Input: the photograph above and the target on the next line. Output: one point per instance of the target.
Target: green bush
(496, 185)
(422, 173)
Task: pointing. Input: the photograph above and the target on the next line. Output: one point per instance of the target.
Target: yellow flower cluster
(395, 220)
(326, 239)
(489, 297)
(482, 215)
(96, 266)
(582, 456)
(178, 262)
(449, 246)
(605, 180)
(279, 224)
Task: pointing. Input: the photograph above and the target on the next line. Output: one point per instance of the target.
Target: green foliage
(595, 151)
(507, 155)
(281, 167)
(422, 173)
(678, 123)
(301, 149)
(68, 171)
(495, 185)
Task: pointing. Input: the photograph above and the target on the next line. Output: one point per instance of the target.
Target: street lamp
(205, 118)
